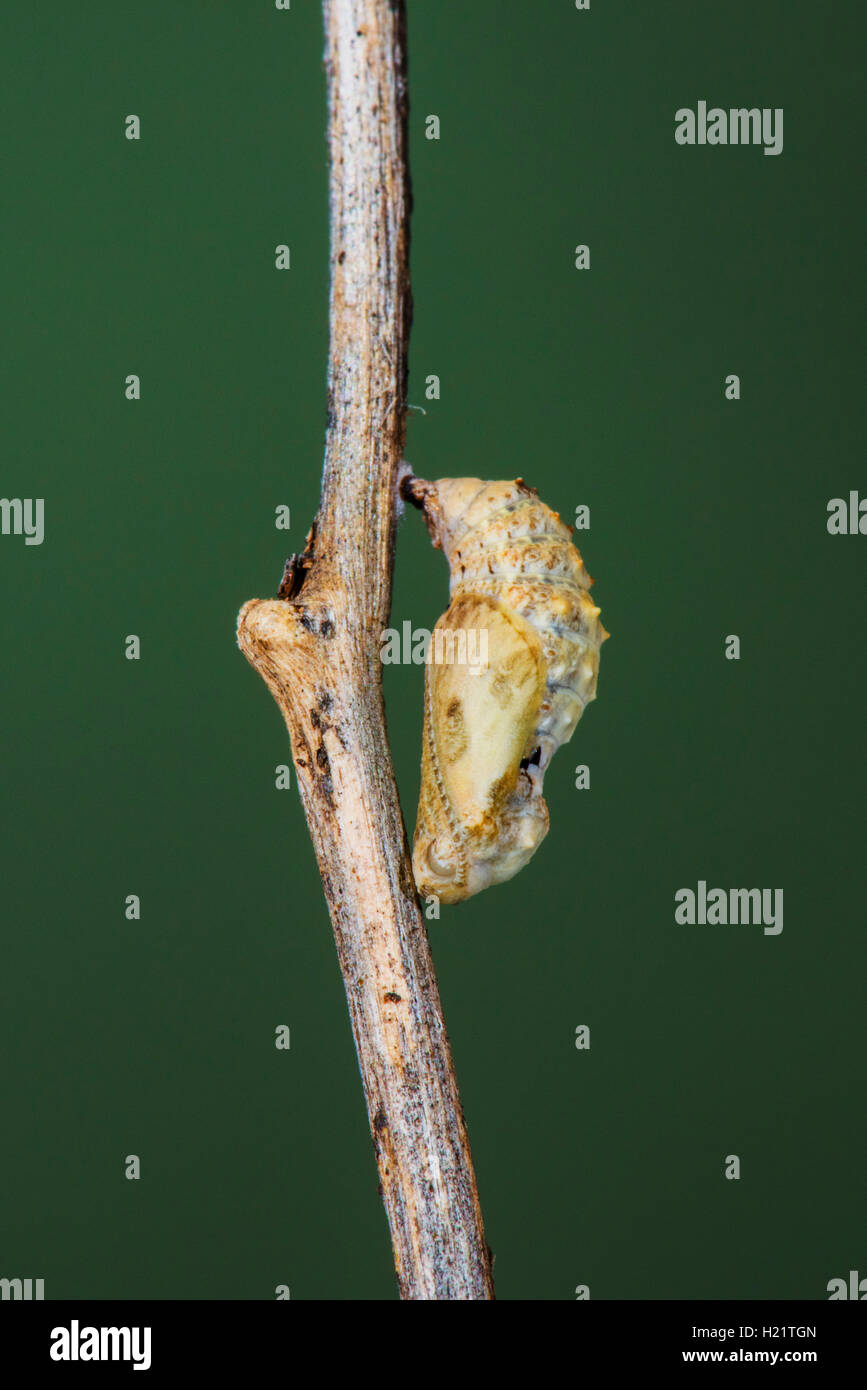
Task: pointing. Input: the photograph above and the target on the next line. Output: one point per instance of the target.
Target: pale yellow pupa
(519, 587)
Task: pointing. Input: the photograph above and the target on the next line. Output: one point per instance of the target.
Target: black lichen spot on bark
(325, 781)
(319, 627)
(320, 720)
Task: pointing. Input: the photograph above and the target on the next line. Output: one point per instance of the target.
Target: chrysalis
(520, 595)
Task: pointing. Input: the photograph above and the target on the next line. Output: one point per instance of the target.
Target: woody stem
(317, 648)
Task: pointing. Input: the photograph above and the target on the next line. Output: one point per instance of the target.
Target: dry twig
(317, 648)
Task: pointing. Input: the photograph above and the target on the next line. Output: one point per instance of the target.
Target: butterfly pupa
(492, 722)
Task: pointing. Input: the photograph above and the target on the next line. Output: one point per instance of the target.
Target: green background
(156, 777)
